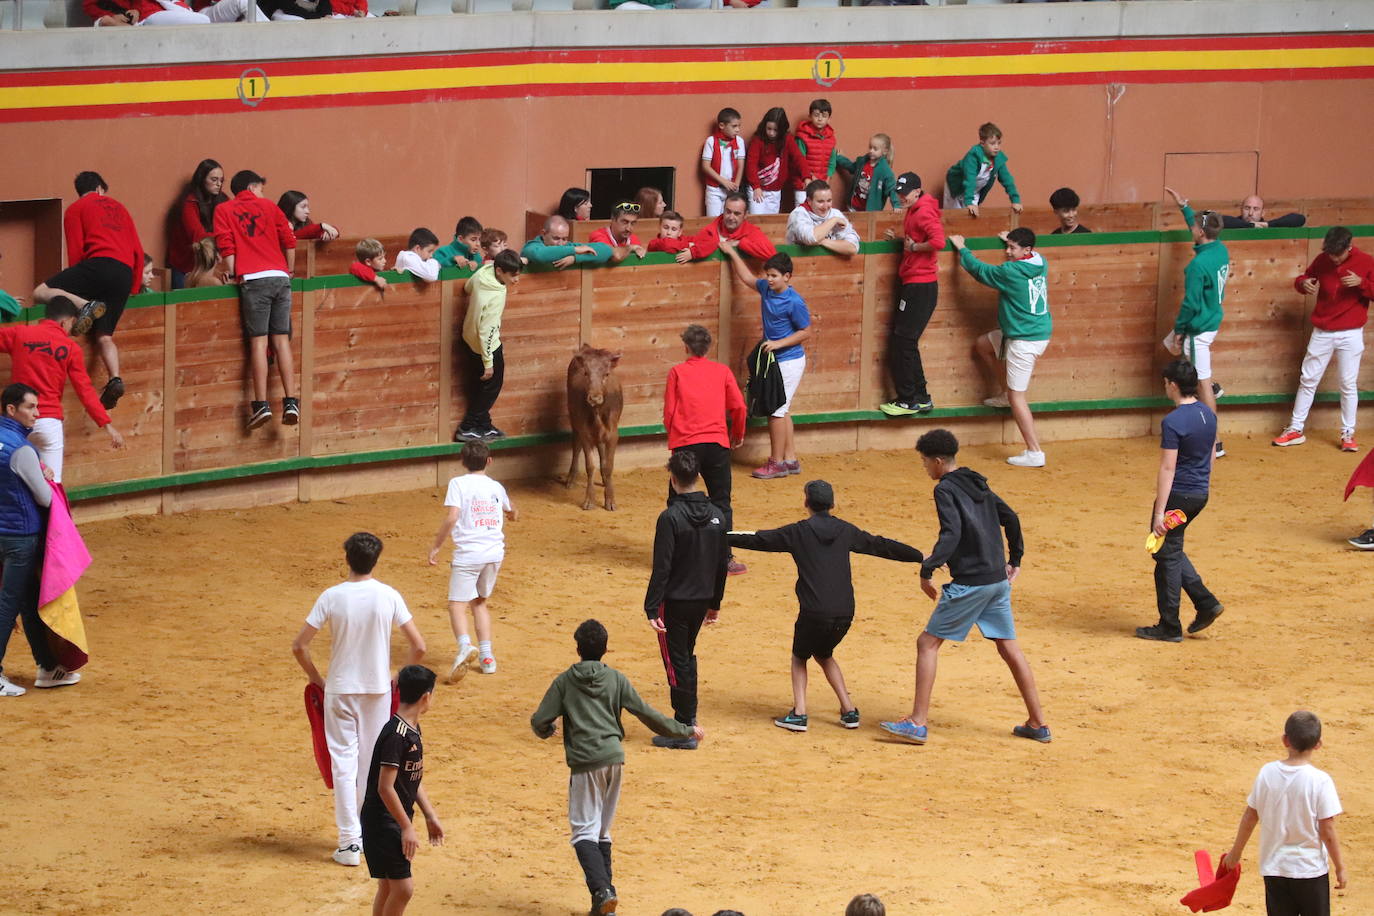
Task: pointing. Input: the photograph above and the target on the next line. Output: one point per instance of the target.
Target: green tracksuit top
(447, 255)
(1023, 303)
(1204, 286)
(962, 177)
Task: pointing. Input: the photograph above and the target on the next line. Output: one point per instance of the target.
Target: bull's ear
(615, 359)
(585, 347)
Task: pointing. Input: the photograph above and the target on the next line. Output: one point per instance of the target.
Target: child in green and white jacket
(969, 181)
(872, 183)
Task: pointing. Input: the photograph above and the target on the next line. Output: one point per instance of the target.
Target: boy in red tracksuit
(669, 238)
(105, 267)
(732, 225)
(700, 395)
(43, 356)
(259, 252)
(922, 237)
(815, 140)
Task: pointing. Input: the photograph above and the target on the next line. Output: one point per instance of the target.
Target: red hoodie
(751, 240)
(1340, 308)
(253, 231)
(43, 357)
(699, 394)
(672, 246)
(922, 224)
(187, 229)
(98, 226)
(817, 161)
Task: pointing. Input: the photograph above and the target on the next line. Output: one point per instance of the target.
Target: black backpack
(764, 391)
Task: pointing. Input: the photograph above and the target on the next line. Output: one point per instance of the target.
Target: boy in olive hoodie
(589, 697)
(486, 363)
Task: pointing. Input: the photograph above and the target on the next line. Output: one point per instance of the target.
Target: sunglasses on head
(627, 208)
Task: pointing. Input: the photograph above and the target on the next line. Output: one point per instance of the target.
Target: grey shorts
(265, 306)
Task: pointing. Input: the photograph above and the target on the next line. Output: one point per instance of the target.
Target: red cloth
(751, 240)
(604, 236)
(97, 8)
(766, 166)
(1340, 308)
(315, 230)
(314, 713)
(816, 159)
(672, 246)
(361, 270)
(43, 357)
(347, 8)
(187, 229)
(253, 231)
(922, 224)
(1214, 891)
(1363, 476)
(699, 394)
(98, 226)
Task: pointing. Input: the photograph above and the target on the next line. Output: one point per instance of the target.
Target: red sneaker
(1290, 436)
(770, 470)
(1348, 443)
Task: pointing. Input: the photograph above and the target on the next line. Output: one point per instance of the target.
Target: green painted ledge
(439, 450)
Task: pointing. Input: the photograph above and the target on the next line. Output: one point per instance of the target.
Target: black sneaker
(467, 435)
(850, 719)
(87, 316)
(261, 412)
(112, 392)
(1363, 541)
(925, 405)
(1220, 449)
(290, 411)
(604, 902)
(492, 433)
(792, 722)
(1217, 390)
(677, 744)
(1158, 633)
(1205, 619)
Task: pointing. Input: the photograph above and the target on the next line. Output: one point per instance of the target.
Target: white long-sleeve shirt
(426, 269)
(801, 227)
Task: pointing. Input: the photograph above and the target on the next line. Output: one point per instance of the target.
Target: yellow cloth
(63, 616)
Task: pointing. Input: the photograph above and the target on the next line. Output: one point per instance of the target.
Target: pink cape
(65, 558)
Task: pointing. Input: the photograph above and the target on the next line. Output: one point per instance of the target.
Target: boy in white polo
(477, 509)
(361, 613)
(1023, 328)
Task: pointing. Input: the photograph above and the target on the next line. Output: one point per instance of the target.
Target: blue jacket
(19, 513)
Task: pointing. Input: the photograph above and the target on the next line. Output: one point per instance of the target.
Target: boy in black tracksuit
(691, 561)
(820, 546)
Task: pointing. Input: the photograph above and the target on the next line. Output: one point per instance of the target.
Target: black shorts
(382, 848)
(99, 278)
(817, 637)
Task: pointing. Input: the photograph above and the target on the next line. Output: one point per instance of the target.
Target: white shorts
(792, 370)
(771, 203)
(1020, 357)
(715, 199)
(47, 437)
(472, 580)
(1197, 349)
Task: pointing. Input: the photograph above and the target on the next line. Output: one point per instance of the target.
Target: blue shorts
(961, 606)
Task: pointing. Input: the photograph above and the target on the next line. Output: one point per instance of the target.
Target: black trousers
(1174, 571)
(713, 460)
(1297, 896)
(683, 620)
(482, 394)
(915, 305)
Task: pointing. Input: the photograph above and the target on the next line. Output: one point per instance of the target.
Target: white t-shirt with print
(1290, 800)
(361, 616)
(728, 156)
(477, 535)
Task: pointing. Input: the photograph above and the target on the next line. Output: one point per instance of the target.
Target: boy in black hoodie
(820, 546)
(971, 519)
(691, 562)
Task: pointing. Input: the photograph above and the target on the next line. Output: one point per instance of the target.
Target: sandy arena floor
(177, 777)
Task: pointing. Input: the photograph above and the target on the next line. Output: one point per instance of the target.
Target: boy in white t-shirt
(477, 508)
(722, 160)
(1297, 804)
(357, 694)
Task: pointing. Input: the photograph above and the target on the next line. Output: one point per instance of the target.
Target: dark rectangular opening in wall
(610, 186)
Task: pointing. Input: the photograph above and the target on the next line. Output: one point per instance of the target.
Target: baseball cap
(907, 182)
(820, 495)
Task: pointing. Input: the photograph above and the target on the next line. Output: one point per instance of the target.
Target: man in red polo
(732, 225)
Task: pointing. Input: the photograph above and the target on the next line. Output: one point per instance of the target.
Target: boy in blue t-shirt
(786, 326)
(1187, 436)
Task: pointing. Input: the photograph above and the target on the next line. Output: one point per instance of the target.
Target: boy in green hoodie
(969, 181)
(466, 248)
(589, 697)
(486, 363)
(1023, 328)
(1204, 288)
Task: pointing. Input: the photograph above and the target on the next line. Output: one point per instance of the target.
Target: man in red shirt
(699, 395)
(1342, 277)
(620, 233)
(44, 357)
(105, 267)
(922, 237)
(259, 251)
(732, 225)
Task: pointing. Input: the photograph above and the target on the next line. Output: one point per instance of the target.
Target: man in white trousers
(361, 613)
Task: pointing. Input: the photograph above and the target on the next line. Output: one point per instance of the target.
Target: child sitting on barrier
(369, 257)
(466, 248)
(969, 181)
(418, 258)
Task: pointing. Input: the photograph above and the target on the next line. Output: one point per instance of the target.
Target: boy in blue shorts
(971, 519)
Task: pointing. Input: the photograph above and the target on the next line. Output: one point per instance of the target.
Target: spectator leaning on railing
(295, 206)
(194, 219)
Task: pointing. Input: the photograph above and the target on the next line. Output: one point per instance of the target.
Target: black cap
(820, 495)
(907, 182)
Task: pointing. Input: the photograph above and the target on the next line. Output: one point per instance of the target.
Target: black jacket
(690, 555)
(821, 545)
(971, 516)
(1287, 221)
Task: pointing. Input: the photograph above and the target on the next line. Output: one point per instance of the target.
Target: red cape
(1363, 476)
(1215, 891)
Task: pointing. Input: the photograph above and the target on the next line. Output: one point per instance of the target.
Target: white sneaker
(9, 688)
(465, 657)
(999, 401)
(351, 855)
(488, 665)
(1028, 459)
(56, 677)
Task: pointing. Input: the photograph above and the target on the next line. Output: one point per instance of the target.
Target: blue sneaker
(905, 730)
(1041, 734)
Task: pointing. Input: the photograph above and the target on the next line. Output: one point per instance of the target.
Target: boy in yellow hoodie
(486, 364)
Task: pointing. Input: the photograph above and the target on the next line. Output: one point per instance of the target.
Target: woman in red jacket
(194, 219)
(296, 206)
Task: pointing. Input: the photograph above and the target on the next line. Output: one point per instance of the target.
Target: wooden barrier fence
(381, 393)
